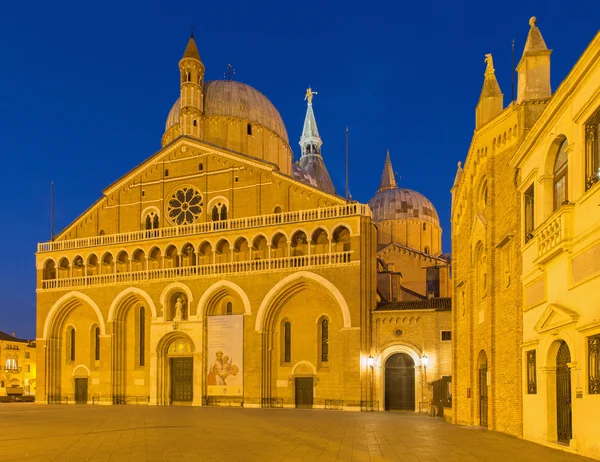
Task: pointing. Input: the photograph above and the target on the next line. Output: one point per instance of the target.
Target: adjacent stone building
(525, 221)
(17, 366)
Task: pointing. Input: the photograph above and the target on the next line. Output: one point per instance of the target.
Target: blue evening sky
(85, 88)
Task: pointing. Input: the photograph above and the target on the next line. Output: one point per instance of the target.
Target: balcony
(554, 235)
(300, 216)
(200, 271)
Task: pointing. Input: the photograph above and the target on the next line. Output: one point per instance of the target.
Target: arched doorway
(483, 389)
(563, 394)
(400, 383)
(175, 361)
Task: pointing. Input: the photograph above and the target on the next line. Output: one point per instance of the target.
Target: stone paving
(140, 433)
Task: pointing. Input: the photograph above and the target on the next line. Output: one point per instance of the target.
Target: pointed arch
(298, 277)
(71, 299)
(128, 293)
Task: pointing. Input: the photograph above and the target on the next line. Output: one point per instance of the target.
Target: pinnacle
(535, 42)
(191, 51)
(388, 180)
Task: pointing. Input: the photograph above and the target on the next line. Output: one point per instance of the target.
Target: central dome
(235, 99)
(402, 204)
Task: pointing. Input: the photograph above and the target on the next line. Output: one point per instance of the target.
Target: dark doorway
(563, 395)
(304, 392)
(81, 391)
(400, 383)
(483, 390)
(182, 380)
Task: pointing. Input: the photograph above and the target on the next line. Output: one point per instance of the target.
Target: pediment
(555, 316)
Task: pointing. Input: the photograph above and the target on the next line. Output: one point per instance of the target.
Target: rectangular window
(594, 365)
(529, 212)
(446, 335)
(531, 373)
(27, 354)
(28, 368)
(592, 151)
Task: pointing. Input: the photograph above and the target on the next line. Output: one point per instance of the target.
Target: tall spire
(534, 67)
(491, 99)
(191, 71)
(388, 179)
(191, 51)
(310, 142)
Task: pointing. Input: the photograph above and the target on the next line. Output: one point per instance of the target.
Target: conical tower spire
(191, 51)
(310, 142)
(491, 99)
(191, 71)
(534, 67)
(388, 179)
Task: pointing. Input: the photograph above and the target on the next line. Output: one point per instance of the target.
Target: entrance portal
(563, 395)
(304, 392)
(81, 391)
(182, 380)
(400, 383)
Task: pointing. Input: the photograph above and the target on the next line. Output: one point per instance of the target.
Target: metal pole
(512, 71)
(346, 164)
(52, 211)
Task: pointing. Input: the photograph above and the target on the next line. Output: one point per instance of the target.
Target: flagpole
(346, 164)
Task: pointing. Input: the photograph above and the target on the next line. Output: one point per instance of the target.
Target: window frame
(559, 174)
(593, 364)
(529, 210)
(531, 371)
(445, 331)
(287, 342)
(592, 151)
(324, 327)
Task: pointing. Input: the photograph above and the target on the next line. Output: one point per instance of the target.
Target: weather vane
(309, 95)
(229, 72)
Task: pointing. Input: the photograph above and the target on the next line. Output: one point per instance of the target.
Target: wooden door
(563, 395)
(81, 391)
(483, 398)
(182, 379)
(400, 383)
(304, 392)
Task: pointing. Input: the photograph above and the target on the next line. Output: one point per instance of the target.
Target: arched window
(167, 172)
(224, 212)
(188, 76)
(97, 344)
(148, 222)
(229, 308)
(200, 167)
(426, 251)
(142, 336)
(195, 123)
(249, 129)
(11, 364)
(215, 213)
(324, 340)
(219, 211)
(72, 344)
(561, 167)
(287, 344)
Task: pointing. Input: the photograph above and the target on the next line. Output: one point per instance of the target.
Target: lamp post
(370, 363)
(424, 362)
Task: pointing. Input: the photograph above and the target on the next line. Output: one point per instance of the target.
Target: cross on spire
(192, 32)
(229, 72)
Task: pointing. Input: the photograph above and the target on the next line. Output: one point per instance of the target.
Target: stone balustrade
(299, 216)
(554, 235)
(182, 272)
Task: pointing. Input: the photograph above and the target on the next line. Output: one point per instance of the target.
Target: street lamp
(370, 363)
(424, 362)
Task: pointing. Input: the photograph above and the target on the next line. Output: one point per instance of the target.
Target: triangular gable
(555, 316)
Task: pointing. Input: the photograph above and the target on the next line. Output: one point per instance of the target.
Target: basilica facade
(221, 272)
(526, 241)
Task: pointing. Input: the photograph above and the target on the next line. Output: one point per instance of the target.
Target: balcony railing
(337, 211)
(273, 264)
(554, 235)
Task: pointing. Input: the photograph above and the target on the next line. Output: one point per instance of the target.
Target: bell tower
(191, 72)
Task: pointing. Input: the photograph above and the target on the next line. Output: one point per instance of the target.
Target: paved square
(139, 433)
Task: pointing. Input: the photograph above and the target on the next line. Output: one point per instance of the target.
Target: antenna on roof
(512, 71)
(52, 210)
(347, 164)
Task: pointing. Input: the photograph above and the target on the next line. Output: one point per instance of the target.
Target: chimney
(13, 333)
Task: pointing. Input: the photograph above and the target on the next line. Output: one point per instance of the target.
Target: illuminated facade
(17, 366)
(525, 231)
(220, 272)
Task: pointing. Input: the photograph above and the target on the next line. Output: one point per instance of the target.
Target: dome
(235, 99)
(402, 204)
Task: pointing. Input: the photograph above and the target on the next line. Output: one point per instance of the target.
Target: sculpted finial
(309, 95)
(490, 63)
(533, 21)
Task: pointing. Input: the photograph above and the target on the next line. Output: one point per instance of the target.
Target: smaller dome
(402, 204)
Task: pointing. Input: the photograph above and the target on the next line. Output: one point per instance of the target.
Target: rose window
(185, 206)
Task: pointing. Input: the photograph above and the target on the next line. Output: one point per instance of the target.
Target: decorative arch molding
(304, 363)
(64, 300)
(172, 288)
(400, 347)
(81, 366)
(212, 290)
(215, 200)
(166, 340)
(150, 208)
(548, 348)
(131, 291)
(277, 288)
(340, 224)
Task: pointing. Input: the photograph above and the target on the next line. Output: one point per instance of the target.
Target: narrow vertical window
(594, 365)
(229, 308)
(531, 373)
(224, 212)
(561, 169)
(529, 214)
(287, 349)
(155, 222)
(97, 344)
(249, 129)
(324, 340)
(72, 344)
(215, 213)
(148, 222)
(142, 336)
(592, 151)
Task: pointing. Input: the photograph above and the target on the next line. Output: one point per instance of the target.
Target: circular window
(184, 206)
(398, 333)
